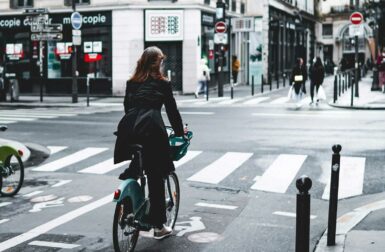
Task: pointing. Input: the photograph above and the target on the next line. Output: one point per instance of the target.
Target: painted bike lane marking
(35, 232)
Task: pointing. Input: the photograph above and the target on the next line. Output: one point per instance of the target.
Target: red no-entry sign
(220, 27)
(356, 18)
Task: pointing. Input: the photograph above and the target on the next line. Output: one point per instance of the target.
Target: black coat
(143, 124)
(297, 70)
(317, 75)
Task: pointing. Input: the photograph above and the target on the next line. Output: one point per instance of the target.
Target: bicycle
(11, 169)
(132, 203)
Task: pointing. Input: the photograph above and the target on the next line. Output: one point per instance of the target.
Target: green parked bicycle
(11, 169)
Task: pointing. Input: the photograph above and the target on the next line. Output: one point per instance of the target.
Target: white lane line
(17, 118)
(280, 100)
(61, 182)
(304, 114)
(256, 100)
(35, 232)
(7, 122)
(221, 168)
(5, 204)
(104, 167)
(228, 207)
(56, 149)
(280, 174)
(7, 114)
(3, 221)
(69, 160)
(351, 179)
(287, 214)
(53, 244)
(189, 155)
(32, 194)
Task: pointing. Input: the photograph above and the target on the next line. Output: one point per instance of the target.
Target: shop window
(327, 30)
(15, 4)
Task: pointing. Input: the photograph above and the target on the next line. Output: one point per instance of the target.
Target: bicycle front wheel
(172, 199)
(12, 175)
(124, 235)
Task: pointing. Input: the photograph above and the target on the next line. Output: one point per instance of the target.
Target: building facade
(288, 32)
(335, 41)
(117, 31)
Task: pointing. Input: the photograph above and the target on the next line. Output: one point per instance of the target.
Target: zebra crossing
(247, 101)
(33, 114)
(276, 177)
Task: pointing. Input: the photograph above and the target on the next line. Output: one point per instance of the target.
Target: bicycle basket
(179, 146)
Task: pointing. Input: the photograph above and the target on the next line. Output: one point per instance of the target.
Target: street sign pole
(221, 24)
(74, 66)
(41, 69)
(356, 19)
(356, 65)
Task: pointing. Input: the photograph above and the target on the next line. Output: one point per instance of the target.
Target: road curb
(345, 224)
(368, 107)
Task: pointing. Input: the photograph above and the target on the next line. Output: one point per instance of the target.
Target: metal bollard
(339, 84)
(231, 88)
(207, 90)
(252, 85)
(333, 198)
(335, 89)
(262, 83)
(284, 79)
(352, 89)
(302, 233)
(277, 81)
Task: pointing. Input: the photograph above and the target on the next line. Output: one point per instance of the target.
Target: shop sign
(89, 19)
(14, 51)
(46, 36)
(356, 30)
(47, 28)
(208, 19)
(92, 46)
(92, 57)
(244, 24)
(164, 25)
(64, 50)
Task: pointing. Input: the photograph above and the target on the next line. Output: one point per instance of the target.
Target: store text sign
(164, 25)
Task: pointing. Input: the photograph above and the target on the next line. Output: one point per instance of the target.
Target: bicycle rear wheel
(12, 175)
(124, 234)
(172, 199)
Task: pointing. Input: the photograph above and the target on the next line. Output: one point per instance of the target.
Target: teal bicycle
(11, 169)
(132, 202)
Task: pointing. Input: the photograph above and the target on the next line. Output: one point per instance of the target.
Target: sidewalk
(367, 99)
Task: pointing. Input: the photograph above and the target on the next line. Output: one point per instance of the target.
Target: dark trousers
(157, 197)
(235, 76)
(312, 86)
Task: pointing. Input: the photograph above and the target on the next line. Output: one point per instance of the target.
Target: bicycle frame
(6, 151)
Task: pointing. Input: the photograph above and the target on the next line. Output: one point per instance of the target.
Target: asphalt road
(243, 206)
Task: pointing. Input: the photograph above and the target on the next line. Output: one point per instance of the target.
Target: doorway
(173, 67)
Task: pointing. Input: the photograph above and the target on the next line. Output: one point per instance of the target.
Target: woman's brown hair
(149, 65)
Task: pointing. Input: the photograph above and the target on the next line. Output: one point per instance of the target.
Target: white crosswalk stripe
(279, 174)
(69, 160)
(256, 100)
(351, 178)
(221, 168)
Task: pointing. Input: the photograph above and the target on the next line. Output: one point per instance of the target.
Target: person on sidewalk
(236, 65)
(203, 78)
(317, 74)
(298, 79)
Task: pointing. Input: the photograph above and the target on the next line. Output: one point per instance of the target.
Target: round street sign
(220, 27)
(356, 18)
(76, 20)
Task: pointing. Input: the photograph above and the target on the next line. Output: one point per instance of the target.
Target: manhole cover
(204, 237)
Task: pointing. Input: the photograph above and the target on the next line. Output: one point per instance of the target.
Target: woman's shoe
(162, 233)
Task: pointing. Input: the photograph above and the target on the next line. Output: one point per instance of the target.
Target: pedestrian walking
(236, 65)
(297, 80)
(203, 78)
(146, 92)
(317, 74)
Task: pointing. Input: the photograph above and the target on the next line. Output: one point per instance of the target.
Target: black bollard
(207, 90)
(302, 233)
(231, 89)
(262, 83)
(333, 198)
(335, 89)
(277, 81)
(339, 84)
(252, 85)
(284, 79)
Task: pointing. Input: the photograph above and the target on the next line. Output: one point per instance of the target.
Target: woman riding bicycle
(146, 92)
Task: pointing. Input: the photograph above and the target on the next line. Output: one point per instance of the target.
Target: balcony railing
(340, 9)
